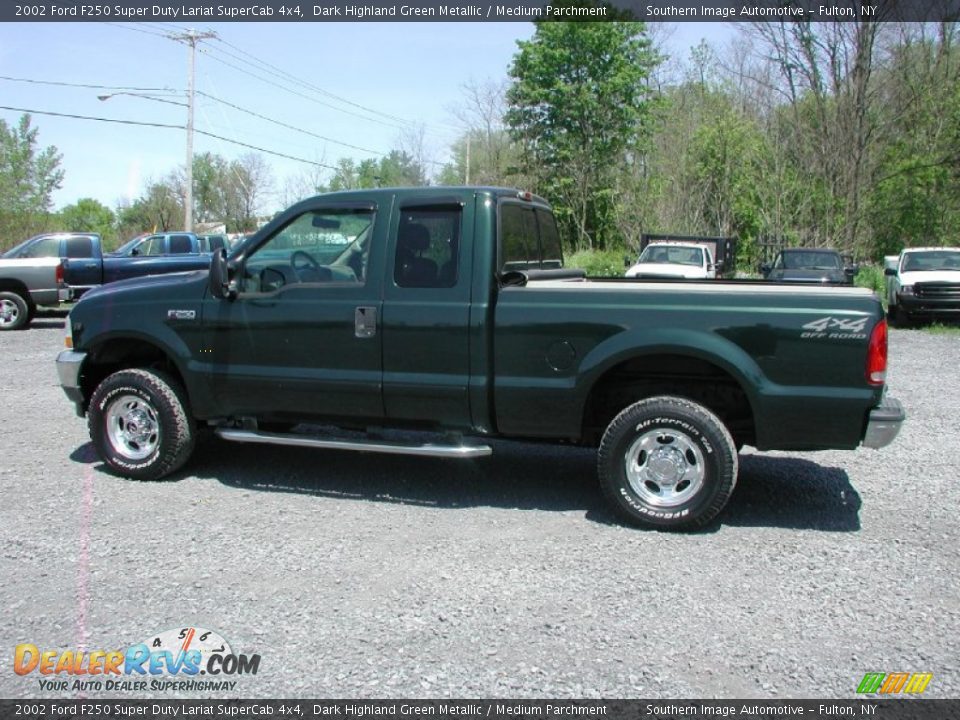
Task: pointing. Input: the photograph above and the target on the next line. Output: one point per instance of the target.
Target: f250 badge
(181, 314)
(834, 327)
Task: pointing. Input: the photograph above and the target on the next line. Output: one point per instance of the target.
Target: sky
(356, 84)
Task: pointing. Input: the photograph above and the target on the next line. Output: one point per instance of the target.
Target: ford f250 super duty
(448, 309)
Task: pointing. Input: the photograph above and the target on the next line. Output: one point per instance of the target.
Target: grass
(939, 328)
(598, 263)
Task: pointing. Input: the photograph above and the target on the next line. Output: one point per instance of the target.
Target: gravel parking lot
(375, 576)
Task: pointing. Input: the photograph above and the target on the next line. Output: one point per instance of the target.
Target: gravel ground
(376, 576)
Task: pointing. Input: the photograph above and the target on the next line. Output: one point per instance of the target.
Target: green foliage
(599, 263)
(872, 277)
(939, 328)
(88, 215)
(578, 105)
(396, 169)
(28, 177)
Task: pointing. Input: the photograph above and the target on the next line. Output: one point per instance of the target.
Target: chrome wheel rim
(665, 467)
(9, 312)
(132, 427)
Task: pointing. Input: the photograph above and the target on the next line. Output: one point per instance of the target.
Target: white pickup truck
(923, 282)
(669, 259)
(26, 284)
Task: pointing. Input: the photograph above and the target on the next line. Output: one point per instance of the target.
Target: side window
(428, 247)
(79, 247)
(552, 253)
(528, 239)
(47, 247)
(518, 238)
(153, 245)
(180, 244)
(318, 246)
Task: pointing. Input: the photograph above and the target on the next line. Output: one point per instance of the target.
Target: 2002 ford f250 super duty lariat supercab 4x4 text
(444, 309)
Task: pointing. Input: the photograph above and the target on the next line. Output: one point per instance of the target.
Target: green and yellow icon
(894, 683)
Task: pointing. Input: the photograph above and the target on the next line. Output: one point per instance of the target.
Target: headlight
(906, 289)
(68, 334)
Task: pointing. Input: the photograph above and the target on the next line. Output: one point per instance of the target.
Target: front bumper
(69, 363)
(915, 305)
(884, 423)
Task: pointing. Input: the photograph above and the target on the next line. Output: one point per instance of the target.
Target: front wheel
(667, 462)
(139, 424)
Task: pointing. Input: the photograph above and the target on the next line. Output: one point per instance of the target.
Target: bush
(598, 263)
(872, 277)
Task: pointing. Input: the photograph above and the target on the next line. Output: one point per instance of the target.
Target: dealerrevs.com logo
(172, 660)
(894, 683)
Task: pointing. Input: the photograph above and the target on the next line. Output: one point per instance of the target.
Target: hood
(184, 285)
(675, 270)
(925, 276)
(834, 277)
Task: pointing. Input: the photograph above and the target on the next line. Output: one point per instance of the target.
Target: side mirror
(219, 275)
(892, 272)
(135, 252)
(626, 261)
(765, 268)
(852, 270)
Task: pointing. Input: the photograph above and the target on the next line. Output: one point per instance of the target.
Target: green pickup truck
(449, 310)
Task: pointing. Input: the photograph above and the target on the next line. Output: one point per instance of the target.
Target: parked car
(445, 310)
(723, 250)
(674, 260)
(809, 265)
(924, 282)
(86, 266)
(27, 283)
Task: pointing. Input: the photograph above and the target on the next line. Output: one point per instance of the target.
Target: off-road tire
(686, 441)
(157, 399)
(16, 311)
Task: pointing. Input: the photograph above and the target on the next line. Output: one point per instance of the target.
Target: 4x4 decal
(836, 327)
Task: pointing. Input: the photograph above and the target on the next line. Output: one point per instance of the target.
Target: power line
(289, 127)
(134, 29)
(84, 85)
(167, 126)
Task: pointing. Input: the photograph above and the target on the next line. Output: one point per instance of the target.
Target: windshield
(15, 250)
(931, 260)
(677, 255)
(811, 261)
(129, 245)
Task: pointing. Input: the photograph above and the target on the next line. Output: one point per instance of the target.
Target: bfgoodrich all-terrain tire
(140, 425)
(14, 311)
(668, 463)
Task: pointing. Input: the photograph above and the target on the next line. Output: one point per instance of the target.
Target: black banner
(208, 11)
(913, 709)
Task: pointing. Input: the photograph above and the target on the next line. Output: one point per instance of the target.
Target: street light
(155, 98)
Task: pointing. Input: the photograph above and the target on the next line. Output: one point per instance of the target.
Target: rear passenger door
(426, 312)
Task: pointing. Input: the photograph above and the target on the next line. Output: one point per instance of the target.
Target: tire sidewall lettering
(115, 458)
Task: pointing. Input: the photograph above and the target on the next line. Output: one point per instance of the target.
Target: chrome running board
(376, 446)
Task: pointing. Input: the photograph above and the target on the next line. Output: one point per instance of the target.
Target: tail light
(60, 280)
(877, 354)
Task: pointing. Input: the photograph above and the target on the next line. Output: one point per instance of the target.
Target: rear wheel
(139, 424)
(14, 311)
(667, 462)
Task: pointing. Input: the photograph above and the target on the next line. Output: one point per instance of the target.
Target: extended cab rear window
(528, 238)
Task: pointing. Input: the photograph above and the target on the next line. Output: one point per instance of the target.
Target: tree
(88, 215)
(580, 106)
(159, 208)
(28, 177)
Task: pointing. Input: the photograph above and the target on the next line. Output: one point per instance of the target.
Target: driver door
(302, 336)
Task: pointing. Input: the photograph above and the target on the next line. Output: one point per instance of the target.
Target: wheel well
(669, 374)
(120, 354)
(15, 286)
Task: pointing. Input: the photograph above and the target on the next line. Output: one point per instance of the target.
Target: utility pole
(190, 38)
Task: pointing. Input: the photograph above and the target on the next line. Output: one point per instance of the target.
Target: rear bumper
(884, 423)
(69, 364)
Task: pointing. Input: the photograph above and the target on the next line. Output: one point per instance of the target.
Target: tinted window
(79, 247)
(518, 237)
(47, 247)
(180, 244)
(551, 252)
(428, 247)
